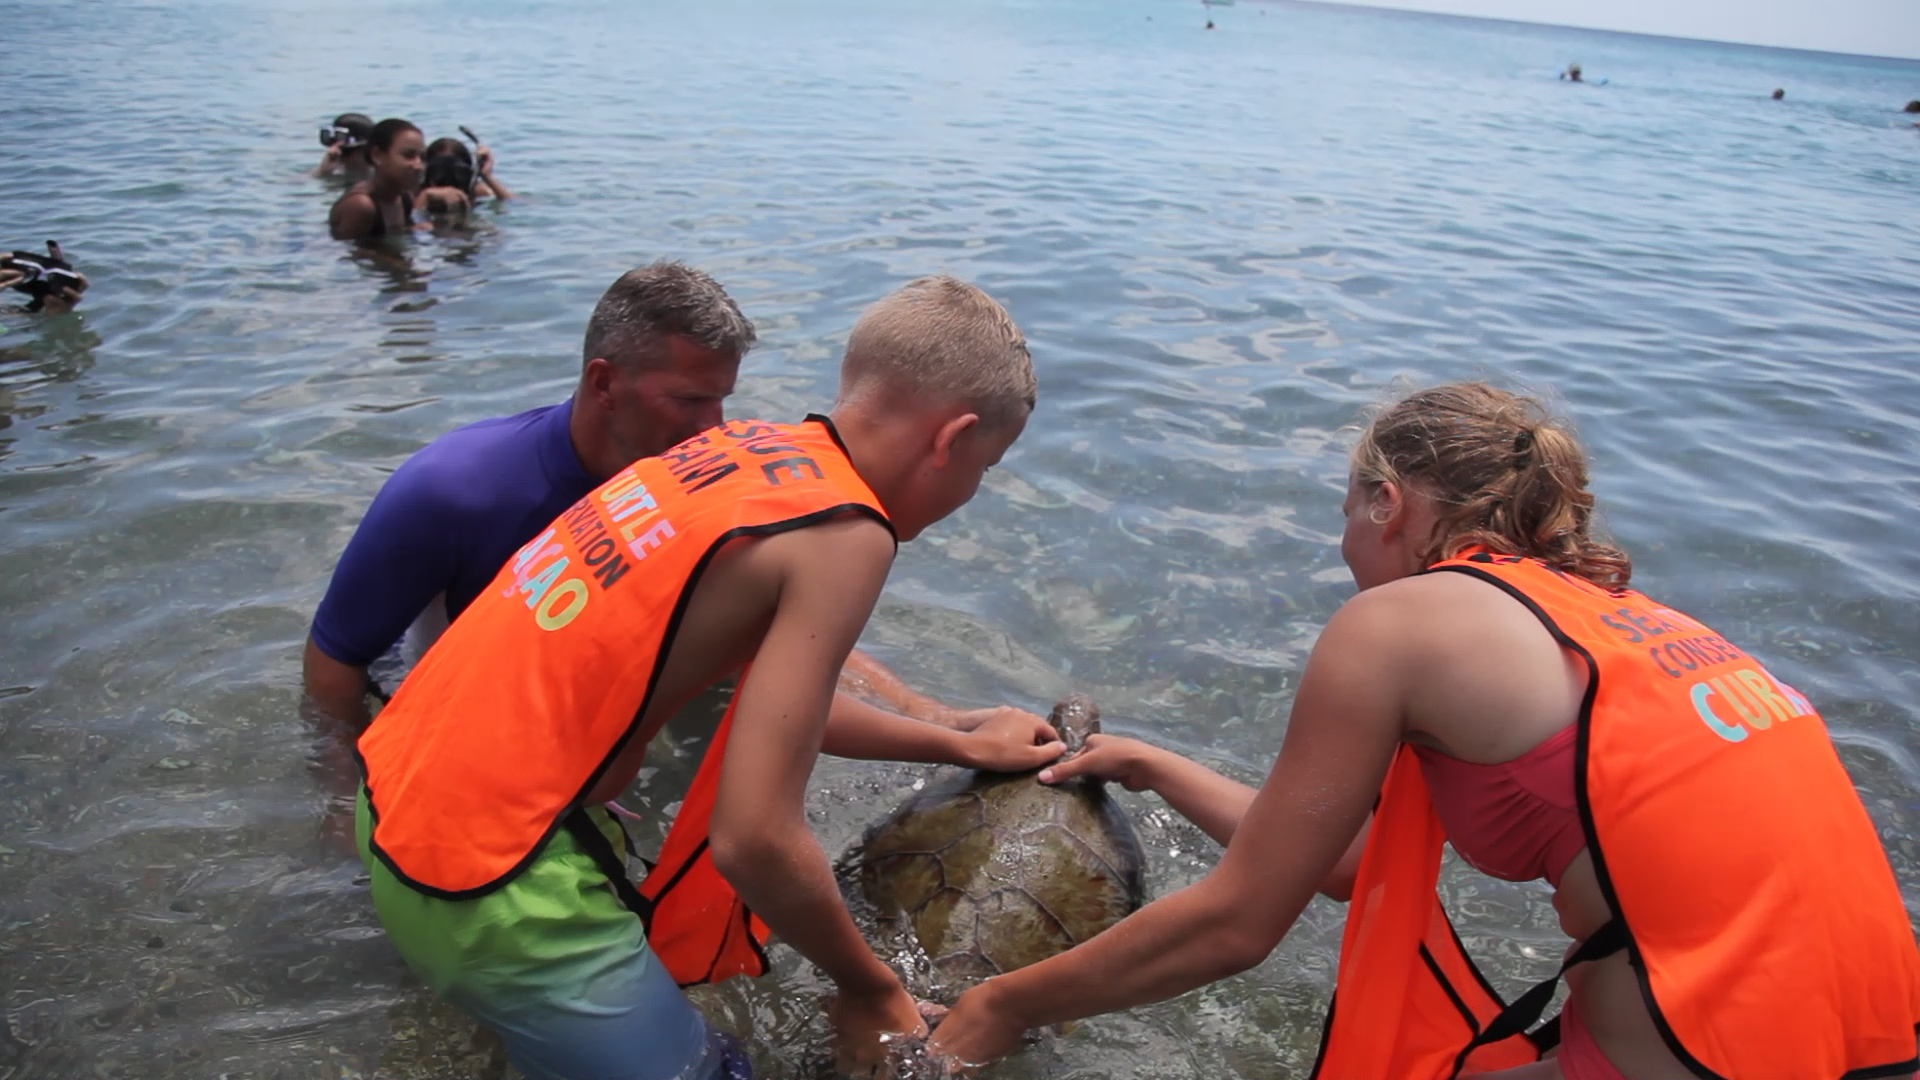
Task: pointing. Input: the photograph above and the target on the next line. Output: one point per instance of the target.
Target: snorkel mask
(42, 274)
(345, 138)
(450, 170)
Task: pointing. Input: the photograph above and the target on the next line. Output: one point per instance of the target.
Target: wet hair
(940, 339)
(384, 132)
(633, 319)
(358, 126)
(449, 164)
(1503, 472)
(1913, 106)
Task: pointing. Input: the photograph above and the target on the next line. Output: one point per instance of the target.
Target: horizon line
(1389, 6)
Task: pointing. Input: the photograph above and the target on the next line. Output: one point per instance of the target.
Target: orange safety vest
(517, 711)
(1747, 882)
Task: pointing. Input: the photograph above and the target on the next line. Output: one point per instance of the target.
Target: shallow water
(1221, 245)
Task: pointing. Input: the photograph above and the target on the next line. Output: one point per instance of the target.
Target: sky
(1869, 27)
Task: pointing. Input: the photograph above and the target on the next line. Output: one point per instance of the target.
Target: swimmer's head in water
(935, 353)
(1500, 472)
(41, 276)
(449, 165)
(661, 355)
(350, 131)
(1913, 106)
(398, 153)
(1779, 94)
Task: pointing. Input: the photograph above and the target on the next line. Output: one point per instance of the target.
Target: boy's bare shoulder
(840, 544)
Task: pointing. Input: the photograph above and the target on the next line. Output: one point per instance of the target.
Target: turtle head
(1075, 718)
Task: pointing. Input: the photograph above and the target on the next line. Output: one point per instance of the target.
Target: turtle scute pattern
(996, 872)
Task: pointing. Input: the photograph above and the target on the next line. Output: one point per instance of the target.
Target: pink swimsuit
(1518, 821)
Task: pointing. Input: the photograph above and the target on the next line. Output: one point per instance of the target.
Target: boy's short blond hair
(936, 341)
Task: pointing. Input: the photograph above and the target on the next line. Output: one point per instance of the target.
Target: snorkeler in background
(453, 184)
(49, 280)
(382, 205)
(346, 143)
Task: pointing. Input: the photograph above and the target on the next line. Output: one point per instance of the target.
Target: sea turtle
(995, 871)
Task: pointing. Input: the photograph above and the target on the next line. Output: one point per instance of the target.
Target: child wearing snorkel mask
(452, 182)
(346, 143)
(50, 281)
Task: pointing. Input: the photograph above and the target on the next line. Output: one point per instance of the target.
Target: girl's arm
(1345, 726)
(489, 185)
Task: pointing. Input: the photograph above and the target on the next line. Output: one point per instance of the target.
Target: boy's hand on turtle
(1010, 740)
(1128, 762)
(867, 1027)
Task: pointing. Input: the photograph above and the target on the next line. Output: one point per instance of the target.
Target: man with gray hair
(662, 352)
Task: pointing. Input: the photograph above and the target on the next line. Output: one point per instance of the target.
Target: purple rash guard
(443, 524)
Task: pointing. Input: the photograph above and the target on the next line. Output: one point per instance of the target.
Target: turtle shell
(998, 871)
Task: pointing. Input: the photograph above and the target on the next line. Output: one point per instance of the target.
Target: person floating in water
(50, 281)
(1779, 94)
(1209, 24)
(1572, 74)
(452, 185)
(765, 546)
(382, 205)
(1497, 684)
(346, 143)
(1913, 106)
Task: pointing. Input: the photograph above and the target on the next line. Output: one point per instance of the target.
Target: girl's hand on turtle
(1010, 740)
(973, 1034)
(1128, 762)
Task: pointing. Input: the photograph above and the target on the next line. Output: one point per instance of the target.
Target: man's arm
(335, 690)
(404, 553)
(830, 576)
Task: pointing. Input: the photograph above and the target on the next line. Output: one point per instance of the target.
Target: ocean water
(1222, 245)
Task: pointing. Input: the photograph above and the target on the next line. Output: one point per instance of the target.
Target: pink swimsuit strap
(1516, 820)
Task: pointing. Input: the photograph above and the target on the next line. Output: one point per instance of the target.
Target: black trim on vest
(594, 842)
(1580, 756)
(1899, 1068)
(1326, 1032)
(1525, 1011)
(1467, 958)
(1546, 1036)
(1459, 1003)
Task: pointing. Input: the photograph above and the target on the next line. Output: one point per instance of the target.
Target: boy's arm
(1011, 741)
(829, 578)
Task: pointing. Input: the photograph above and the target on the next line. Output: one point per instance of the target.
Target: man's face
(666, 404)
